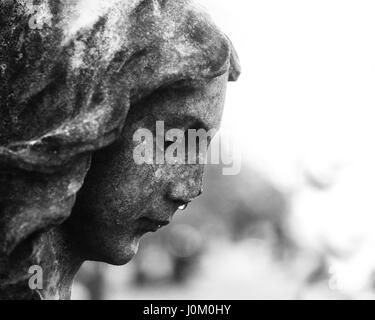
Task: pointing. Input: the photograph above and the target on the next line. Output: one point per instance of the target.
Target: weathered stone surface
(70, 73)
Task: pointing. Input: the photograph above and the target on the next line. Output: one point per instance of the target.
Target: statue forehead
(201, 104)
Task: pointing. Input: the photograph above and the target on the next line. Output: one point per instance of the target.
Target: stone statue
(77, 79)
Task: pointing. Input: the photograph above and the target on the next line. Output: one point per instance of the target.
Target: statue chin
(123, 254)
(116, 252)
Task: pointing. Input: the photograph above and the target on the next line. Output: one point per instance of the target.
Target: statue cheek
(216, 93)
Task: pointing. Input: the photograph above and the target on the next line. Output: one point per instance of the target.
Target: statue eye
(167, 144)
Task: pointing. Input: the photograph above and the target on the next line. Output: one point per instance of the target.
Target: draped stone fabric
(69, 73)
(66, 88)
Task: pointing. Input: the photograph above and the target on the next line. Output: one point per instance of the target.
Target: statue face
(121, 200)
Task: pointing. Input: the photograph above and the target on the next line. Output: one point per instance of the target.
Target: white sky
(308, 85)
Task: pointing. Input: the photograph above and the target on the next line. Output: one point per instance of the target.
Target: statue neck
(41, 268)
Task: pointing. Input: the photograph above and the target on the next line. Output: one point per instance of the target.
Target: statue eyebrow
(189, 122)
(198, 124)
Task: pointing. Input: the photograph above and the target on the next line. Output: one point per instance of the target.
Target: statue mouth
(145, 224)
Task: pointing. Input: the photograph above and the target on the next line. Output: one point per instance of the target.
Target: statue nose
(183, 193)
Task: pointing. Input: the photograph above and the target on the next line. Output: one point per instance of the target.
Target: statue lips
(146, 224)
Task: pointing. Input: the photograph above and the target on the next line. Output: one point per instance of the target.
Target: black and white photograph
(187, 150)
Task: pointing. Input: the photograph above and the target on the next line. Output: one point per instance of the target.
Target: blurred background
(297, 221)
